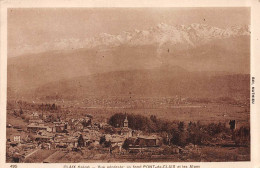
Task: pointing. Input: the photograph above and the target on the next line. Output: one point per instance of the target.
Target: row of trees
(48, 107)
(139, 122)
(197, 133)
(36, 106)
(212, 133)
(181, 134)
(18, 113)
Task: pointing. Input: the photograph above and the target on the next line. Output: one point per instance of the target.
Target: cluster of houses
(74, 134)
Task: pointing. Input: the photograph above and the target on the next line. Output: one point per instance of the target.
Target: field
(205, 113)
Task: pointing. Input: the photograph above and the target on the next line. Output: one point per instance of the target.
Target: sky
(36, 26)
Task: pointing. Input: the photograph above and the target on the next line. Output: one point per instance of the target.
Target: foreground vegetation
(181, 134)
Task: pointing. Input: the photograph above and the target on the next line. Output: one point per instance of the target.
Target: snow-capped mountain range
(187, 35)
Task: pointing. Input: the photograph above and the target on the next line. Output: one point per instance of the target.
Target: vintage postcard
(145, 84)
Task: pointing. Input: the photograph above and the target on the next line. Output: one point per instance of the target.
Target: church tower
(126, 122)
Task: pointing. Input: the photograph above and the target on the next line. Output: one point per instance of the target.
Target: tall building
(126, 131)
(126, 122)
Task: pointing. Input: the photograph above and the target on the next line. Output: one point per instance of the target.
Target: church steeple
(126, 122)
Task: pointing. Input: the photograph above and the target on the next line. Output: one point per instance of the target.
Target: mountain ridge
(159, 82)
(192, 35)
(230, 53)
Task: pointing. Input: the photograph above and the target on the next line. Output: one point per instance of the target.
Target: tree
(195, 133)
(53, 118)
(81, 141)
(110, 130)
(153, 118)
(85, 124)
(178, 138)
(232, 124)
(107, 143)
(126, 144)
(53, 107)
(165, 138)
(21, 111)
(181, 126)
(102, 140)
(242, 136)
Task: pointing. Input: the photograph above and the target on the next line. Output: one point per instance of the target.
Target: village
(73, 135)
(46, 133)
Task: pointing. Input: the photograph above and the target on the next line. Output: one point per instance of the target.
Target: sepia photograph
(128, 85)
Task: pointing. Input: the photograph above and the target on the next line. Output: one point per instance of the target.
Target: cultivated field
(205, 113)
